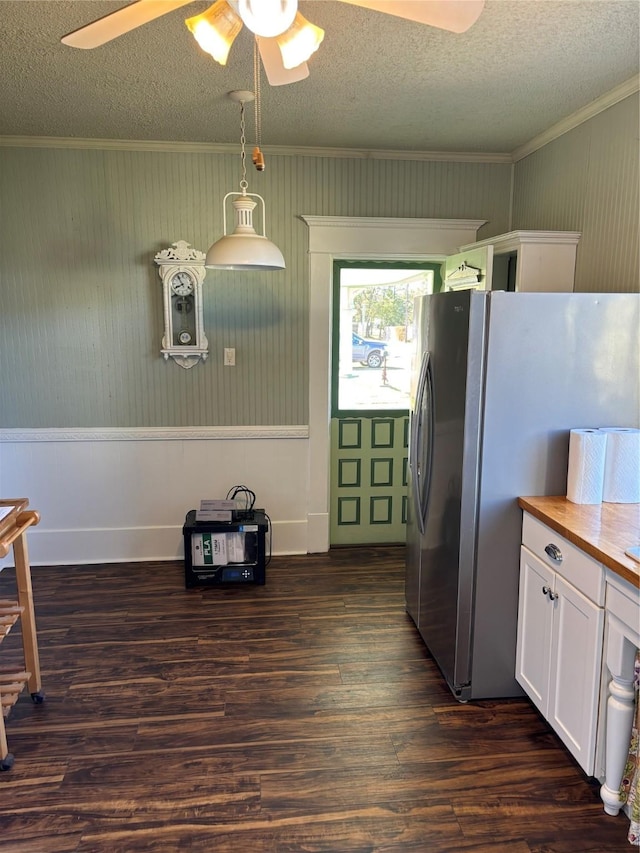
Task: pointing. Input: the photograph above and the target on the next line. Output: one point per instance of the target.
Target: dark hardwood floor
(305, 715)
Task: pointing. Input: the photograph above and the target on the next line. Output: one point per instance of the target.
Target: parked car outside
(368, 352)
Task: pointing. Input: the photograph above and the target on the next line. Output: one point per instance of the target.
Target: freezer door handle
(421, 427)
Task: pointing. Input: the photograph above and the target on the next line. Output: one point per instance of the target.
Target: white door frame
(354, 238)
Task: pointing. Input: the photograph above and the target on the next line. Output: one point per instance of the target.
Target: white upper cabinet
(521, 261)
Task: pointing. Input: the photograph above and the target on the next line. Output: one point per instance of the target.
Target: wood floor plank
(301, 700)
(507, 728)
(530, 775)
(567, 827)
(303, 715)
(346, 830)
(55, 740)
(29, 840)
(324, 726)
(300, 648)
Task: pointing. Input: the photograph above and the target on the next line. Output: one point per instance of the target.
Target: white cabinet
(560, 635)
(522, 261)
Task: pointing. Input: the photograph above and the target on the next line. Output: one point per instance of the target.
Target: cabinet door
(574, 676)
(535, 614)
(547, 265)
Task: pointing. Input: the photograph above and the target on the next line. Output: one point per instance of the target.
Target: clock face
(182, 284)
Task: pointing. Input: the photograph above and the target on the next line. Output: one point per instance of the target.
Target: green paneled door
(373, 303)
(368, 479)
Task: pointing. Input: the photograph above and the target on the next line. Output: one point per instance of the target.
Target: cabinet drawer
(581, 570)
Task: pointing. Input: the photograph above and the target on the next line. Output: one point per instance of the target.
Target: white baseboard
(121, 495)
(318, 532)
(135, 544)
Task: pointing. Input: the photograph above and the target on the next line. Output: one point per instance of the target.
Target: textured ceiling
(377, 82)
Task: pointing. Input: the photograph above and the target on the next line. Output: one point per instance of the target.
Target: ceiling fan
(285, 39)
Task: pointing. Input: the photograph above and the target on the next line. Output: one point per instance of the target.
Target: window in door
(372, 332)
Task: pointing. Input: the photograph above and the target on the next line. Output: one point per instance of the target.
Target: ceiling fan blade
(277, 74)
(453, 15)
(120, 22)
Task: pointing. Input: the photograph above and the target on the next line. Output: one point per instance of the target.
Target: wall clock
(182, 271)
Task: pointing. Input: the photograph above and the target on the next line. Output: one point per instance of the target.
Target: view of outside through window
(375, 331)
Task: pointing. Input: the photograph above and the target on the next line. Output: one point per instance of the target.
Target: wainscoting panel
(122, 495)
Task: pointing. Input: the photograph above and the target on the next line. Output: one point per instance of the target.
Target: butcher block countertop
(604, 531)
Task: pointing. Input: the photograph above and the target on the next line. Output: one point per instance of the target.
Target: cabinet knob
(545, 590)
(554, 552)
(553, 596)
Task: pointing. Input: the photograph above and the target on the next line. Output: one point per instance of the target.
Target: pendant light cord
(243, 156)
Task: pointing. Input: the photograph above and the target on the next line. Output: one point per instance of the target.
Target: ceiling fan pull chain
(258, 157)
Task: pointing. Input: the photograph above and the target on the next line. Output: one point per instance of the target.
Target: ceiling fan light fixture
(299, 42)
(244, 248)
(268, 18)
(216, 29)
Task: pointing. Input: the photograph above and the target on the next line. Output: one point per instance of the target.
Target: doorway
(371, 368)
(368, 237)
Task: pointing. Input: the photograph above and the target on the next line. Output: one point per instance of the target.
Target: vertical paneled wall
(588, 180)
(81, 312)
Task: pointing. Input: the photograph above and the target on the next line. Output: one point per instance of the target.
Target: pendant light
(244, 248)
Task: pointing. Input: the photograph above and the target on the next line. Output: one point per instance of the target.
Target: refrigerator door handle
(421, 479)
(430, 427)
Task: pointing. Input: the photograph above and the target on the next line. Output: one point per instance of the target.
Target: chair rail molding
(154, 433)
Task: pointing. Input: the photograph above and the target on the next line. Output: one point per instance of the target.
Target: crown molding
(164, 147)
(388, 223)
(624, 90)
(153, 434)
(512, 241)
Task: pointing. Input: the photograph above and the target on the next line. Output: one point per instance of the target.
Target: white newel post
(620, 658)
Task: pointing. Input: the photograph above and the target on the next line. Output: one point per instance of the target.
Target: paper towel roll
(622, 466)
(585, 475)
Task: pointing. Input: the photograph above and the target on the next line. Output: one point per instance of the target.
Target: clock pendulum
(183, 307)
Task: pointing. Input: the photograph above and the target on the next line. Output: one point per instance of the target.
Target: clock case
(183, 314)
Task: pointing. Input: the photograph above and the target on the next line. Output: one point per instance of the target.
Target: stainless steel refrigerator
(500, 379)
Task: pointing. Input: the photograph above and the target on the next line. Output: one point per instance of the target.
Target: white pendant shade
(239, 252)
(244, 249)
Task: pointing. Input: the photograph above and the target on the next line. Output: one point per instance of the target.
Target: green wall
(81, 309)
(588, 180)
(80, 295)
